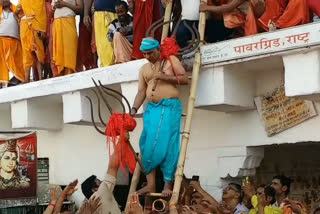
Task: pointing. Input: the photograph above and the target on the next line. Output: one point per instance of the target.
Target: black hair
(285, 181)
(316, 210)
(121, 3)
(239, 190)
(261, 186)
(270, 191)
(88, 185)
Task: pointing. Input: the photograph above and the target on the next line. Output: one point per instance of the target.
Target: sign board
(279, 112)
(264, 43)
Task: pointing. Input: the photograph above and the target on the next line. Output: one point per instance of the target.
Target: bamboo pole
(167, 17)
(135, 179)
(187, 126)
(137, 171)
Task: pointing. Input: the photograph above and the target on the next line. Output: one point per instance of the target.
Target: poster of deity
(18, 168)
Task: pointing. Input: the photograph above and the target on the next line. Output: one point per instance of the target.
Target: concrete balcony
(236, 71)
(233, 73)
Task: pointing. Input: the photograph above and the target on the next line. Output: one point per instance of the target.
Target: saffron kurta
(296, 13)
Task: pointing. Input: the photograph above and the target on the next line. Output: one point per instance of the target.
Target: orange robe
(142, 20)
(10, 56)
(314, 6)
(274, 9)
(35, 21)
(296, 13)
(284, 13)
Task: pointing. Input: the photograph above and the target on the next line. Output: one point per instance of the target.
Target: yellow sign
(279, 112)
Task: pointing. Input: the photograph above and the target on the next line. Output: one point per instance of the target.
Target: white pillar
(39, 113)
(225, 89)
(302, 75)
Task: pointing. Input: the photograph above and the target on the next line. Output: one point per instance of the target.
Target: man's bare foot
(145, 190)
(167, 192)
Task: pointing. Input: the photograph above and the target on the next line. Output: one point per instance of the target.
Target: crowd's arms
(53, 200)
(206, 196)
(69, 190)
(90, 206)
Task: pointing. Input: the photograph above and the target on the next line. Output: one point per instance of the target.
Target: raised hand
(248, 189)
(294, 206)
(134, 207)
(209, 206)
(224, 208)
(54, 194)
(187, 210)
(71, 188)
(94, 204)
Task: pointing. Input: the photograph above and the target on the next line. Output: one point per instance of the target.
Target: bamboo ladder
(187, 125)
(190, 108)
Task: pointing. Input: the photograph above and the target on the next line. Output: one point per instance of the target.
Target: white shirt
(65, 11)
(108, 203)
(241, 208)
(190, 10)
(9, 25)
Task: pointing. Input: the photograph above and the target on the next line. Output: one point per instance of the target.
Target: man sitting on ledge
(121, 33)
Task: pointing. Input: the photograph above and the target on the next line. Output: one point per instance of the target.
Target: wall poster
(18, 168)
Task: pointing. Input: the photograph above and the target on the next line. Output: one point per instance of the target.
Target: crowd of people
(42, 37)
(245, 198)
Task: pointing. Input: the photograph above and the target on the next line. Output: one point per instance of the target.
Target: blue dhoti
(160, 138)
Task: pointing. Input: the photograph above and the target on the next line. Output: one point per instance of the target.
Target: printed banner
(279, 112)
(18, 168)
(264, 43)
